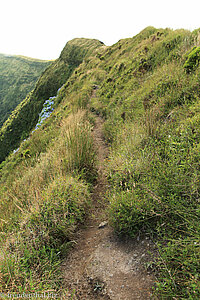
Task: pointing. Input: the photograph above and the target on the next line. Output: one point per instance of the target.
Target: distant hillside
(18, 76)
(24, 118)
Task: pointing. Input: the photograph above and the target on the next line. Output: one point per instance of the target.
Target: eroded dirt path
(101, 266)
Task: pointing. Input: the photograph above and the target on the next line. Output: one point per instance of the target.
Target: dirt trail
(101, 266)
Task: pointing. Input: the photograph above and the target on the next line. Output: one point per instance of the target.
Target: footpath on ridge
(102, 266)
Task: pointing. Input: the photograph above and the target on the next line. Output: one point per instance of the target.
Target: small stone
(103, 224)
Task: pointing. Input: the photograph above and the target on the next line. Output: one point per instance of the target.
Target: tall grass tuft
(80, 148)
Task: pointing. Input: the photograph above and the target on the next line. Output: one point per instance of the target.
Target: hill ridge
(146, 89)
(25, 116)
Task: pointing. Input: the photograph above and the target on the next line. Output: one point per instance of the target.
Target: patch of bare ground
(102, 266)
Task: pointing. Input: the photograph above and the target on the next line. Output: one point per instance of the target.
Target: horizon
(40, 29)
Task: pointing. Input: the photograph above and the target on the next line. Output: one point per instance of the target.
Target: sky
(41, 28)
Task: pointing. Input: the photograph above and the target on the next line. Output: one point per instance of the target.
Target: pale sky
(41, 28)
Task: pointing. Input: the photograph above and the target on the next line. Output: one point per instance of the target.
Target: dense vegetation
(147, 90)
(26, 115)
(18, 77)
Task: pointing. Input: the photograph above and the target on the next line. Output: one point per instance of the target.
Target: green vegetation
(44, 237)
(25, 116)
(18, 77)
(193, 59)
(43, 200)
(150, 101)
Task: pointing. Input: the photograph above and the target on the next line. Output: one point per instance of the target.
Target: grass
(153, 166)
(18, 77)
(45, 199)
(24, 118)
(155, 188)
(150, 104)
(32, 256)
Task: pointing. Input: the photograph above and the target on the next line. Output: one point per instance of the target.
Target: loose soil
(101, 265)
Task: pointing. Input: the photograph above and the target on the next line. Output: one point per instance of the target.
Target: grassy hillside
(26, 115)
(18, 77)
(147, 90)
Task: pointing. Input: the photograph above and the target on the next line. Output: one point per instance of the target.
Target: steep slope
(18, 77)
(25, 117)
(147, 90)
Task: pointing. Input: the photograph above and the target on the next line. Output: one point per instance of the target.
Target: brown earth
(102, 266)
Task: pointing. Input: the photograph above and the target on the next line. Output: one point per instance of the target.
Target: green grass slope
(147, 89)
(25, 116)
(18, 77)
